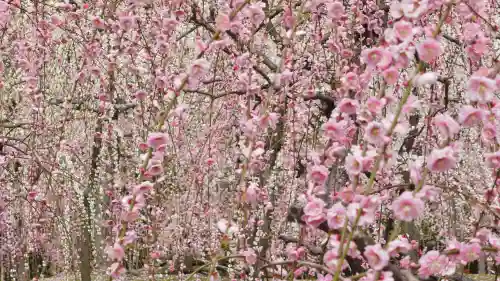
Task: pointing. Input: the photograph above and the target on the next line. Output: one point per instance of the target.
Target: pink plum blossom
(441, 160)
(429, 50)
(480, 89)
(314, 212)
(336, 216)
(376, 257)
(407, 207)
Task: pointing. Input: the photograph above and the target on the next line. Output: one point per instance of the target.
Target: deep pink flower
(429, 50)
(407, 207)
(441, 160)
(376, 257)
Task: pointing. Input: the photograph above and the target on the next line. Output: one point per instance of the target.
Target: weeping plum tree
(247, 139)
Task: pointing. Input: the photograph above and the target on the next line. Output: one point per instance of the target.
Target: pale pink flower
(399, 245)
(481, 89)
(161, 82)
(428, 78)
(403, 30)
(255, 13)
(140, 95)
(470, 252)
(432, 263)
(446, 125)
(252, 193)
(470, 116)
(116, 270)
(115, 252)
(156, 139)
(143, 187)
(327, 277)
(483, 234)
(336, 216)
(407, 207)
(130, 237)
(374, 105)
(376, 257)
(429, 192)
(127, 22)
(376, 57)
(429, 50)
(98, 23)
(348, 106)
(351, 80)
(471, 30)
(222, 225)
(335, 130)
(314, 212)
(489, 133)
(441, 160)
(319, 174)
(367, 215)
(354, 164)
(375, 133)
(155, 168)
(335, 10)
(250, 256)
(198, 68)
(331, 260)
(493, 159)
(390, 75)
(413, 103)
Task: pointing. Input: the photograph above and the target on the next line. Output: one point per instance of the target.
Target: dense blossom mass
(249, 139)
